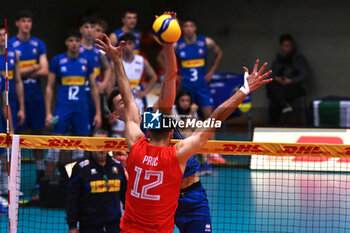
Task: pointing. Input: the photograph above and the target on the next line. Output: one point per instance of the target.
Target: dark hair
(111, 97)
(73, 33)
(286, 37)
(127, 37)
(159, 134)
(100, 131)
(186, 19)
(87, 19)
(24, 14)
(131, 11)
(181, 111)
(103, 24)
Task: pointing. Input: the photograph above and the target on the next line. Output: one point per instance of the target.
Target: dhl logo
(113, 145)
(327, 140)
(242, 148)
(10, 74)
(28, 63)
(64, 143)
(73, 80)
(193, 63)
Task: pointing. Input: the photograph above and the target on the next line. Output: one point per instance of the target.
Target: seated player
(96, 188)
(71, 70)
(155, 169)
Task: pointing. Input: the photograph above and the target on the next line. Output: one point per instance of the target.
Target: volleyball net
(240, 199)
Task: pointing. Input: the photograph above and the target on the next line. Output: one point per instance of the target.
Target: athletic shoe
(216, 158)
(205, 169)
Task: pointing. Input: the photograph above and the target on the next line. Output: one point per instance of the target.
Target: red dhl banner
(220, 147)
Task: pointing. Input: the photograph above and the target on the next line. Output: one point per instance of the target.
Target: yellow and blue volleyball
(166, 29)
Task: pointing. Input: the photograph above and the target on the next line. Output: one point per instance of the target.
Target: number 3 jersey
(153, 188)
(71, 74)
(192, 59)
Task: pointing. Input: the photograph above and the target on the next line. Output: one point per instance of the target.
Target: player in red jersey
(155, 168)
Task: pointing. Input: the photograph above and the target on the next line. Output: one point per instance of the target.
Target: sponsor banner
(220, 147)
(73, 80)
(333, 144)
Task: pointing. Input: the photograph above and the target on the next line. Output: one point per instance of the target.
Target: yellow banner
(220, 147)
(10, 74)
(23, 64)
(100, 186)
(193, 63)
(73, 80)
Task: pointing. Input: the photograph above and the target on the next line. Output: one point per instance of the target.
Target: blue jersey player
(191, 51)
(71, 71)
(129, 21)
(99, 61)
(16, 99)
(33, 65)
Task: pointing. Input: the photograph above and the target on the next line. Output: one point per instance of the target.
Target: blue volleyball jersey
(137, 36)
(94, 56)
(12, 60)
(71, 75)
(29, 53)
(192, 59)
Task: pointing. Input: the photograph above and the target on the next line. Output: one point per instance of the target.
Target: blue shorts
(35, 115)
(200, 94)
(193, 213)
(70, 118)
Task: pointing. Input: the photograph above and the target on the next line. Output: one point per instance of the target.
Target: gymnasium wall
(245, 30)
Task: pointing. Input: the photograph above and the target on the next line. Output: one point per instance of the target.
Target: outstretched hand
(255, 79)
(114, 53)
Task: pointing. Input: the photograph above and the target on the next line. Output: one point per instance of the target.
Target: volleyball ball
(166, 29)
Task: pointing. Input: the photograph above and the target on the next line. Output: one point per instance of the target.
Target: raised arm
(189, 146)
(168, 89)
(132, 115)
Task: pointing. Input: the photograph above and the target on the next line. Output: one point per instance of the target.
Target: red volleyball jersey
(153, 188)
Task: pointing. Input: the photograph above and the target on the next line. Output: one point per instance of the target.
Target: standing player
(135, 65)
(129, 21)
(155, 169)
(71, 70)
(100, 63)
(191, 50)
(33, 64)
(16, 92)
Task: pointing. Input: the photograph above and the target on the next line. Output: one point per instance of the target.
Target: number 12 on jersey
(147, 174)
